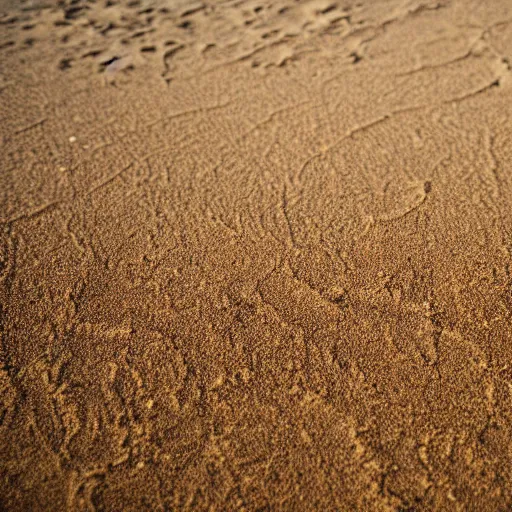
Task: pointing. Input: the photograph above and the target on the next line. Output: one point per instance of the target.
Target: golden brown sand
(256, 255)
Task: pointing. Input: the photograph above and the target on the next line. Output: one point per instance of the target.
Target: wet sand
(256, 255)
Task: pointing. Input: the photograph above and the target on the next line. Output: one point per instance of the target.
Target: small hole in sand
(64, 64)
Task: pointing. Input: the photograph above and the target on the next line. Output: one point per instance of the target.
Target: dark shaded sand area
(256, 255)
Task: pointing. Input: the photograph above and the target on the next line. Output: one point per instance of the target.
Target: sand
(256, 255)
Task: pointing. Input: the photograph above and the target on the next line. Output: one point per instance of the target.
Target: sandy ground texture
(256, 255)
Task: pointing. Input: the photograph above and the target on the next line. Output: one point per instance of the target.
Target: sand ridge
(255, 255)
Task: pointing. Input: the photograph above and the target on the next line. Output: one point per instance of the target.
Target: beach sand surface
(256, 255)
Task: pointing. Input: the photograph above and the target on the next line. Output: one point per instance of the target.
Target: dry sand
(256, 255)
